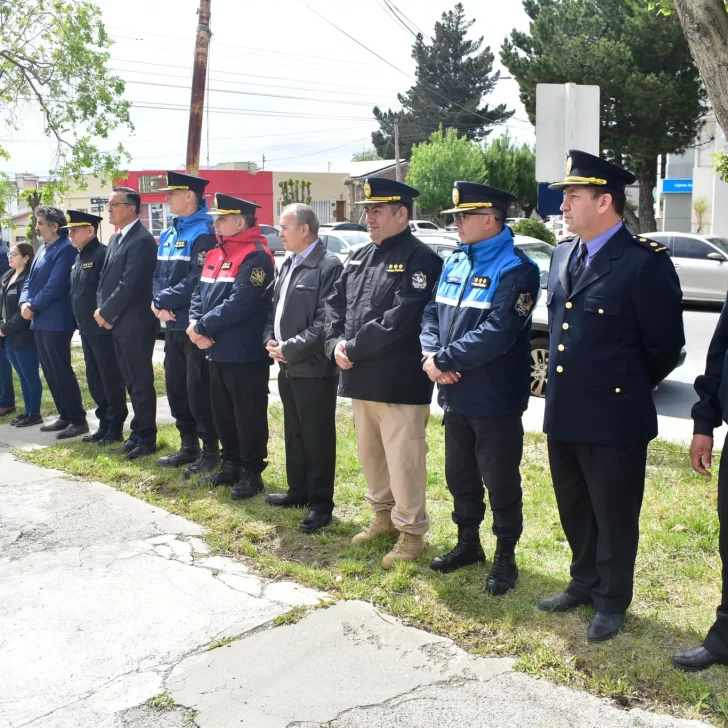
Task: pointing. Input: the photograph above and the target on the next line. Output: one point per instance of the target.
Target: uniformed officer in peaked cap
(476, 343)
(228, 314)
(102, 368)
(181, 255)
(616, 328)
(373, 332)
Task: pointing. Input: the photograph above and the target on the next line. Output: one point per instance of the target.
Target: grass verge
(677, 581)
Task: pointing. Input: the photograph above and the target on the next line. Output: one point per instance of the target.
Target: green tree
(651, 95)
(453, 77)
(295, 190)
(438, 163)
(53, 58)
(534, 229)
(34, 198)
(368, 154)
(513, 168)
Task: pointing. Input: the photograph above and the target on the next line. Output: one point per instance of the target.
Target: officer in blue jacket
(181, 255)
(46, 301)
(229, 311)
(616, 330)
(475, 339)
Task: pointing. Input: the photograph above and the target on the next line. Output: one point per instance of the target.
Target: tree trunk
(705, 24)
(647, 180)
(631, 219)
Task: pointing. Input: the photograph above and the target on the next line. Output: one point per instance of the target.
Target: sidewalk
(108, 601)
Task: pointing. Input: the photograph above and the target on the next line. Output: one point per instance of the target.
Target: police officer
(708, 413)
(476, 342)
(229, 311)
(615, 320)
(181, 255)
(373, 332)
(102, 369)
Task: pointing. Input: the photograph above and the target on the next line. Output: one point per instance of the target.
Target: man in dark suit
(124, 305)
(308, 379)
(102, 368)
(615, 319)
(7, 392)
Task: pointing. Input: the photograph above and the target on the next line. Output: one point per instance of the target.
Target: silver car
(701, 262)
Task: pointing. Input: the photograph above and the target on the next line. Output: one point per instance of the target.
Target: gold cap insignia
(455, 196)
(367, 190)
(68, 218)
(569, 165)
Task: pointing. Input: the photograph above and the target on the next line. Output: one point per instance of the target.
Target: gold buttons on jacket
(561, 347)
(565, 326)
(569, 304)
(559, 369)
(601, 310)
(618, 391)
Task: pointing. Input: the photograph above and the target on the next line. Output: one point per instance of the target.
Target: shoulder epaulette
(569, 240)
(649, 244)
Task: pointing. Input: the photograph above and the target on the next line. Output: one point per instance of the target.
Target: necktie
(577, 270)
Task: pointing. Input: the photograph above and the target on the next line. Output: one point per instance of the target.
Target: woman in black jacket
(16, 336)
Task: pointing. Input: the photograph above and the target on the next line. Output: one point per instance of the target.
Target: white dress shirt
(295, 262)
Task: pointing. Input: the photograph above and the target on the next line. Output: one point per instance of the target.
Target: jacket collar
(202, 214)
(489, 249)
(89, 248)
(315, 255)
(251, 235)
(395, 240)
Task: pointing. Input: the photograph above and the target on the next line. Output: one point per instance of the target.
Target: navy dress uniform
(231, 305)
(180, 257)
(376, 311)
(479, 325)
(616, 330)
(103, 375)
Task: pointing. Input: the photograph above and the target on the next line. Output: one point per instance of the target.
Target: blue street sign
(549, 201)
(677, 185)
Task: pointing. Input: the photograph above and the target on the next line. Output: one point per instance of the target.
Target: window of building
(155, 217)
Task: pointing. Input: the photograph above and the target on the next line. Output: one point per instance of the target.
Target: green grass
(161, 702)
(677, 581)
(47, 407)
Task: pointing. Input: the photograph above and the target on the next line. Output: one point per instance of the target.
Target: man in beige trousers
(372, 332)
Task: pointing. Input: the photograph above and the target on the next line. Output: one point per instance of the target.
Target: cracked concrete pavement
(108, 601)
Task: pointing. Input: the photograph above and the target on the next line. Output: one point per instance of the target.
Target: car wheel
(539, 366)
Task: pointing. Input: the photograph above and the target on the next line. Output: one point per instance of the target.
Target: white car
(343, 242)
(424, 226)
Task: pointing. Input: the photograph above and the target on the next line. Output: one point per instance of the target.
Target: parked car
(701, 262)
(344, 242)
(345, 225)
(424, 226)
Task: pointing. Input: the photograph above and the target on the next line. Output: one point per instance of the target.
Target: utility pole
(398, 168)
(197, 100)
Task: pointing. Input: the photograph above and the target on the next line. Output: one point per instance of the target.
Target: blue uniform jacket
(234, 296)
(48, 287)
(479, 323)
(180, 257)
(611, 340)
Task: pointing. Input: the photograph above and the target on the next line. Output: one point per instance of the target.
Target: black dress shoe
(128, 446)
(141, 450)
(696, 659)
(72, 431)
(94, 436)
(19, 418)
(563, 602)
(56, 426)
(249, 485)
(111, 438)
(29, 421)
(285, 500)
(603, 627)
(313, 521)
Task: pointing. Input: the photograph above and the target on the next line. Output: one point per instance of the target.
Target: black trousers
(134, 354)
(186, 373)
(599, 492)
(54, 352)
(486, 450)
(239, 394)
(717, 640)
(105, 381)
(309, 421)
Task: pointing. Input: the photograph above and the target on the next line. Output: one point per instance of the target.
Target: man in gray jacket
(308, 380)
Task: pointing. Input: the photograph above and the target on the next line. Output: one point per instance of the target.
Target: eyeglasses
(11, 254)
(461, 215)
(112, 205)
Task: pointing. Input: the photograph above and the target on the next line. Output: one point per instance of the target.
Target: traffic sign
(674, 186)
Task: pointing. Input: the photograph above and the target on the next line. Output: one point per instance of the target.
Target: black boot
(249, 485)
(468, 551)
(503, 575)
(227, 474)
(188, 453)
(209, 459)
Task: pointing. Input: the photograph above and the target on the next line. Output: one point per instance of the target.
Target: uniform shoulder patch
(257, 276)
(652, 245)
(419, 280)
(201, 257)
(524, 304)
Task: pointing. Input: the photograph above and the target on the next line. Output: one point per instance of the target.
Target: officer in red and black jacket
(228, 313)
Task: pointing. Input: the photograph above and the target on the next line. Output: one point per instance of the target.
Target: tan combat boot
(408, 548)
(381, 525)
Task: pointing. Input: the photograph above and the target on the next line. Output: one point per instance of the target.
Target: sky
(284, 83)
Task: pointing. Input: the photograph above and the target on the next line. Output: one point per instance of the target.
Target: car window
(268, 230)
(333, 245)
(427, 226)
(720, 243)
(691, 248)
(354, 237)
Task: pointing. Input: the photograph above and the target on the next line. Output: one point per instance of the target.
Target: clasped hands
(435, 374)
(199, 340)
(275, 351)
